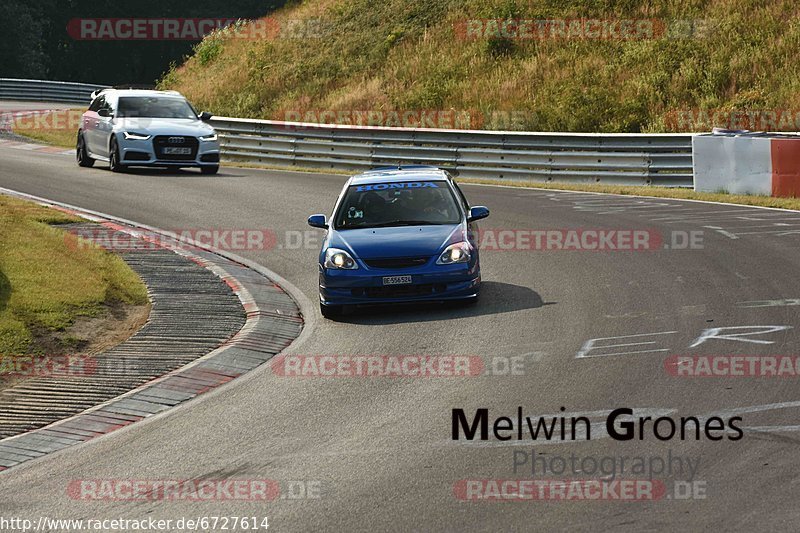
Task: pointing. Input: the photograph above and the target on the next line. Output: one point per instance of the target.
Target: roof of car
(141, 92)
(397, 174)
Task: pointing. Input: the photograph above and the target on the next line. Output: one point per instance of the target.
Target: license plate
(396, 280)
(173, 150)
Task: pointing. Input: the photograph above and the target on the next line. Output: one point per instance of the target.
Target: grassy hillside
(360, 55)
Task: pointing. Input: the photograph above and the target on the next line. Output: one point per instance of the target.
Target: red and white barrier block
(747, 164)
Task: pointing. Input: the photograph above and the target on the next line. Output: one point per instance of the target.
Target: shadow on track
(496, 298)
(224, 172)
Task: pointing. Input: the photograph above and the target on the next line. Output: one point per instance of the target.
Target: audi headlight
(339, 259)
(209, 138)
(134, 136)
(460, 252)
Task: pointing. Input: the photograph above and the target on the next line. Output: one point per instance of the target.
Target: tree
(37, 44)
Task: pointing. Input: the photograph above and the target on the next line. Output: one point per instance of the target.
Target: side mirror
(205, 116)
(105, 113)
(478, 212)
(318, 221)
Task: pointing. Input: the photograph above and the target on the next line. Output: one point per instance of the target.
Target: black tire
(331, 311)
(81, 154)
(113, 158)
(209, 169)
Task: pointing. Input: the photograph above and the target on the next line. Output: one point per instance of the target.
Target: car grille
(400, 262)
(399, 291)
(163, 141)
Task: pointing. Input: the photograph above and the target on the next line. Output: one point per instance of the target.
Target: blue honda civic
(400, 234)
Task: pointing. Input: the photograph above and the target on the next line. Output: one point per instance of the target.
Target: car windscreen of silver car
(149, 107)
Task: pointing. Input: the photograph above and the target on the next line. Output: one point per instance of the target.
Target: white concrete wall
(738, 165)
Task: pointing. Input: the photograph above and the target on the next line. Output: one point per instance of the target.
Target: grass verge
(58, 127)
(47, 283)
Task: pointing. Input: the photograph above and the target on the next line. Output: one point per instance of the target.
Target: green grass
(46, 282)
(406, 55)
(54, 137)
(58, 128)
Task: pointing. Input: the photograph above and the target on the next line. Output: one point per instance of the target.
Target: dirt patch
(88, 336)
(93, 335)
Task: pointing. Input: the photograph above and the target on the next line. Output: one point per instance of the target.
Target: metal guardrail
(625, 159)
(46, 91)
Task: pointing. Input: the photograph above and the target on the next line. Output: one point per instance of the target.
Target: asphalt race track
(380, 449)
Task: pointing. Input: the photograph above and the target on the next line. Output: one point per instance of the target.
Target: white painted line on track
(659, 198)
(590, 345)
(774, 225)
(701, 215)
(723, 232)
(779, 233)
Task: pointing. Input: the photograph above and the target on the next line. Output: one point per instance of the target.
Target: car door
(91, 120)
(104, 126)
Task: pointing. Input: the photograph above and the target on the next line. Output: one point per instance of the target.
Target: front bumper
(365, 285)
(144, 153)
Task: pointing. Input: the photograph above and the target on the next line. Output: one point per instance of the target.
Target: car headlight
(209, 138)
(339, 259)
(460, 252)
(134, 136)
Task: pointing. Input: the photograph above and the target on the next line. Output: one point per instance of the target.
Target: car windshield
(397, 204)
(154, 107)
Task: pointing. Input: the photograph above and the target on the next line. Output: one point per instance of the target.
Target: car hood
(405, 241)
(164, 126)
